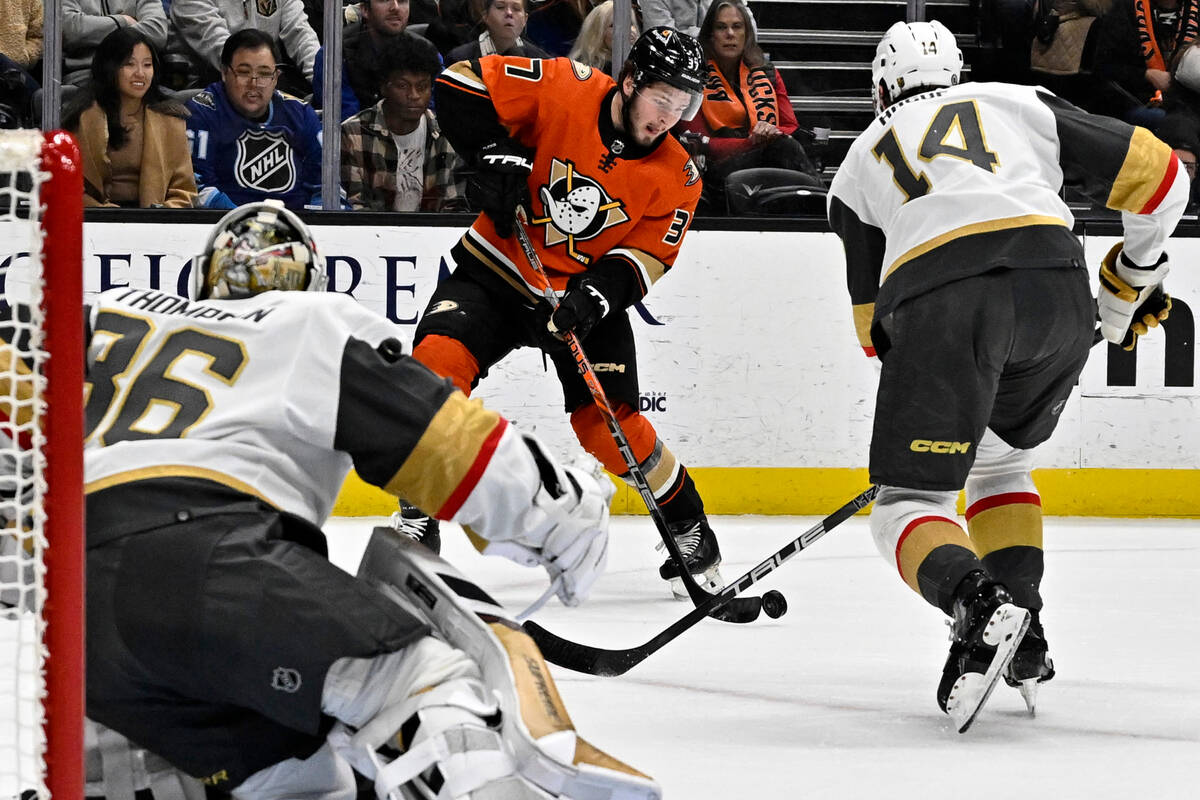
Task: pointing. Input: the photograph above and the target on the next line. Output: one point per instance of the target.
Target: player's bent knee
(449, 358)
(895, 507)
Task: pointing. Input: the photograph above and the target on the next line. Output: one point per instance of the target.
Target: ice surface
(836, 699)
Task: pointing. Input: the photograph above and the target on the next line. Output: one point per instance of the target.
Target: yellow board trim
(819, 491)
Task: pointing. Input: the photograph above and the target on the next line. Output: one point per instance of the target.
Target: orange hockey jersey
(595, 194)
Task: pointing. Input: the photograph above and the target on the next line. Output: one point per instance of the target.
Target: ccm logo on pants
(927, 446)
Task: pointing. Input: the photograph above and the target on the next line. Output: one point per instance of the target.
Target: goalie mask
(911, 56)
(257, 247)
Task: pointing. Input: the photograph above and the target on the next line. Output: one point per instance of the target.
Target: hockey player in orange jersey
(970, 286)
(610, 195)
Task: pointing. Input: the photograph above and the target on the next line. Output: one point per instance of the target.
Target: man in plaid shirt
(394, 156)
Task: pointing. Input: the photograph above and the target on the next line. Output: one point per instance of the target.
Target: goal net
(41, 471)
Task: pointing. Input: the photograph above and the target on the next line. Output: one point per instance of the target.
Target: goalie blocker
(520, 700)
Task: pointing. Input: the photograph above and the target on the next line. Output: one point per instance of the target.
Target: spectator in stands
(203, 26)
(21, 32)
(86, 22)
(746, 119)
(132, 137)
(458, 22)
(682, 15)
(593, 46)
(249, 141)
(554, 24)
(420, 12)
(1137, 41)
(20, 51)
(363, 43)
(394, 156)
(503, 23)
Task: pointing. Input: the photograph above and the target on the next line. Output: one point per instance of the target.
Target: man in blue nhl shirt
(250, 142)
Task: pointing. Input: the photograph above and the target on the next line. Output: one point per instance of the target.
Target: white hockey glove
(565, 529)
(1131, 298)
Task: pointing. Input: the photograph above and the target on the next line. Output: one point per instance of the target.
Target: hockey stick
(600, 661)
(742, 610)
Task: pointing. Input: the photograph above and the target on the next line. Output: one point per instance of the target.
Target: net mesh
(22, 470)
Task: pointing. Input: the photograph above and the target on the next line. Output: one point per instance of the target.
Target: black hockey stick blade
(602, 661)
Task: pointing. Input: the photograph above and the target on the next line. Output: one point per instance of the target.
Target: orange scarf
(1186, 32)
(728, 112)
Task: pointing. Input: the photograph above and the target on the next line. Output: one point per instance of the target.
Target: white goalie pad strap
(357, 688)
(116, 769)
(467, 694)
(467, 758)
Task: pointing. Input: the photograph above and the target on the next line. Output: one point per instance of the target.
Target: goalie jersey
(597, 197)
(277, 396)
(959, 181)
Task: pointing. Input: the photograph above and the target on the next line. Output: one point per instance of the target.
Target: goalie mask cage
(41, 467)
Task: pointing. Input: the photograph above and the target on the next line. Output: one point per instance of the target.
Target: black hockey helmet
(255, 248)
(664, 54)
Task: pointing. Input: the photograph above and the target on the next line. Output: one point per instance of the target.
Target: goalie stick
(601, 661)
(740, 610)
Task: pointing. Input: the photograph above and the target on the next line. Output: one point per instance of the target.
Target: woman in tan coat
(132, 137)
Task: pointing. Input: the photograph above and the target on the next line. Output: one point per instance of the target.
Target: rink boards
(751, 373)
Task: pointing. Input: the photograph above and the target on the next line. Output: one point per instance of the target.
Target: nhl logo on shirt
(267, 7)
(264, 162)
(285, 679)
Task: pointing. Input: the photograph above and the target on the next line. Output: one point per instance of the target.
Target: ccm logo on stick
(927, 446)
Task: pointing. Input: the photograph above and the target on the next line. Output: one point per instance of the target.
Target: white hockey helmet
(914, 55)
(255, 248)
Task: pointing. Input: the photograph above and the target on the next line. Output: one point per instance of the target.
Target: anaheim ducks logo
(578, 209)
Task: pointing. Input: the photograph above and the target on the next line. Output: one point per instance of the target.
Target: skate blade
(1029, 689)
(972, 689)
(710, 581)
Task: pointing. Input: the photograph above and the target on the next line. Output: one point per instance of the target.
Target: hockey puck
(774, 604)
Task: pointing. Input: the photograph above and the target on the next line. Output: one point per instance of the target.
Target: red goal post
(41, 467)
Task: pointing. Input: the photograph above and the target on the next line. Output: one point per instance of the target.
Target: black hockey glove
(580, 309)
(500, 184)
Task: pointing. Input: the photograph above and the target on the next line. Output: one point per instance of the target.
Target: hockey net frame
(41, 415)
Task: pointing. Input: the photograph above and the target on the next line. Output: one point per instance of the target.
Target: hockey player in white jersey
(969, 285)
(219, 432)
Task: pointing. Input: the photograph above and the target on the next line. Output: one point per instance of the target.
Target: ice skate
(418, 526)
(698, 545)
(985, 632)
(1031, 664)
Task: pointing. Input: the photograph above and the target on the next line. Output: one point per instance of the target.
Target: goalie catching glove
(564, 530)
(1131, 298)
(500, 182)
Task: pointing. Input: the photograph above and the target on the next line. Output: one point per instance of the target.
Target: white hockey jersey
(277, 396)
(958, 181)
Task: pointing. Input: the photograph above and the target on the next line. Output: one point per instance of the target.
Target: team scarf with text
(728, 112)
(1189, 27)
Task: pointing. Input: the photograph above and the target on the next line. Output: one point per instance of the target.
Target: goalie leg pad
(535, 727)
(427, 727)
